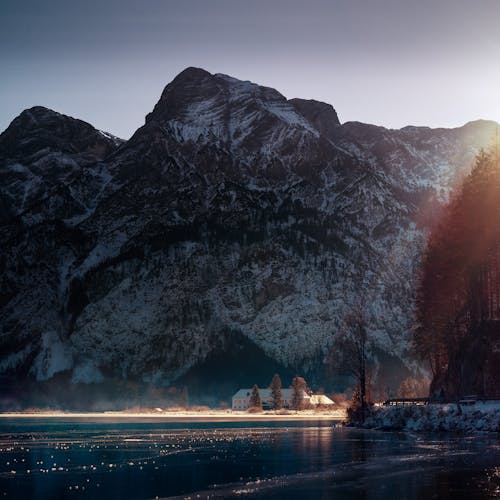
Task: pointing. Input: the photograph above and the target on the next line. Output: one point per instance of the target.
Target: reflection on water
(60, 458)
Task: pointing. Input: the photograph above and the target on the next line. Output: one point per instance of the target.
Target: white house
(241, 399)
(320, 400)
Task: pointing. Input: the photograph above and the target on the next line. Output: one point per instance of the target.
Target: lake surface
(96, 458)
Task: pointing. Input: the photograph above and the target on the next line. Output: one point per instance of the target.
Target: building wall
(240, 403)
(243, 403)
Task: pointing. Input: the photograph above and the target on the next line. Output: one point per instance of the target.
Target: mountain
(235, 224)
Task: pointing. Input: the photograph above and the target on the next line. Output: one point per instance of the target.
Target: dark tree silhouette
(353, 346)
(458, 299)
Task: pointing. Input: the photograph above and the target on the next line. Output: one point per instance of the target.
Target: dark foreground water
(68, 458)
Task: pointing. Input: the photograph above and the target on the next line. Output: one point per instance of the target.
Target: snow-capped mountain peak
(233, 217)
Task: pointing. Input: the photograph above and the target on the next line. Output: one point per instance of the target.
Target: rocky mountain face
(235, 224)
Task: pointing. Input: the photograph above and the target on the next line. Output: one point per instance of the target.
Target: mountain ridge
(227, 211)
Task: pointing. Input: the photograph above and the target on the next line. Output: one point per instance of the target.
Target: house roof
(320, 399)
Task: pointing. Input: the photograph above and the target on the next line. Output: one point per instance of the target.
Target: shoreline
(185, 415)
(435, 418)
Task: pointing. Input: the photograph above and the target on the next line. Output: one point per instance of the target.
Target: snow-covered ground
(174, 415)
(483, 417)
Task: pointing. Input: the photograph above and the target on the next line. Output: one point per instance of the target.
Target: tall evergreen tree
(299, 387)
(255, 399)
(276, 394)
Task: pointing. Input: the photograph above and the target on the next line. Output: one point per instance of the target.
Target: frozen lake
(95, 458)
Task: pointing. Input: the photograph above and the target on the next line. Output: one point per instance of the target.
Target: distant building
(320, 400)
(241, 399)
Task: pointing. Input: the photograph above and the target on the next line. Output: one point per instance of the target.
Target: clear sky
(388, 62)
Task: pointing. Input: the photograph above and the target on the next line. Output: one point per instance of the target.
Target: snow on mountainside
(232, 213)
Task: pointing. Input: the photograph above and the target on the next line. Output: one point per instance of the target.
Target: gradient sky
(388, 62)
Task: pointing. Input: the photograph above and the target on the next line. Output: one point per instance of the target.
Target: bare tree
(353, 346)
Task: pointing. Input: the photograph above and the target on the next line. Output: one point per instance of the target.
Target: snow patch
(87, 373)
(482, 417)
(54, 357)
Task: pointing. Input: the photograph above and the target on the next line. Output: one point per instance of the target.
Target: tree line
(458, 298)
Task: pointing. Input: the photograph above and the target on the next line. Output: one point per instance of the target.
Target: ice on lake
(91, 458)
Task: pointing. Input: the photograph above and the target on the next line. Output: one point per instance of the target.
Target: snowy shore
(214, 415)
(481, 417)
